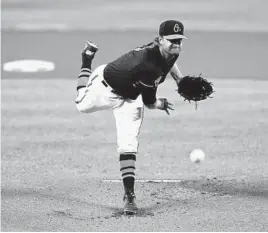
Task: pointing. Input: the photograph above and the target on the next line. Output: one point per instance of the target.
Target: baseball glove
(195, 88)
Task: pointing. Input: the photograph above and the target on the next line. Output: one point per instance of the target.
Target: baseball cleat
(130, 207)
(90, 50)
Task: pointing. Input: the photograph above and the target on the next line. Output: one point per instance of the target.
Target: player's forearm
(149, 97)
(176, 73)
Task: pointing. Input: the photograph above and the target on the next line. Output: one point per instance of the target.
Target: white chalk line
(145, 181)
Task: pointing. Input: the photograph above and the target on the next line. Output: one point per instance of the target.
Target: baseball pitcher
(125, 86)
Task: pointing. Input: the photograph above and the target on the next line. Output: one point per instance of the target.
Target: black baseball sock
(129, 184)
(84, 74)
(127, 167)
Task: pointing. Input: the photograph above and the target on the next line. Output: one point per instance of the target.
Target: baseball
(197, 155)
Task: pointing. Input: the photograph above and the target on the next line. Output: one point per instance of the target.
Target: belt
(108, 86)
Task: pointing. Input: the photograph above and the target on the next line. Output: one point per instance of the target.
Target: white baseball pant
(98, 95)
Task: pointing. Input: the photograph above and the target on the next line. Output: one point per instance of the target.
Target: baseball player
(125, 86)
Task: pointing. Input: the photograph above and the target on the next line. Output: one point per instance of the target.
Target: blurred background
(226, 38)
(228, 15)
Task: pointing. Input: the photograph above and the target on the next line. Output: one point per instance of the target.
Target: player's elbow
(149, 101)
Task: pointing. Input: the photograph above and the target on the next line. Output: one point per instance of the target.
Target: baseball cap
(172, 29)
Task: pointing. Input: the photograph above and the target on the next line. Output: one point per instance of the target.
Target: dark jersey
(139, 72)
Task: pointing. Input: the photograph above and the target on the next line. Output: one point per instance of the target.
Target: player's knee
(80, 100)
(127, 151)
(128, 147)
(85, 107)
(80, 107)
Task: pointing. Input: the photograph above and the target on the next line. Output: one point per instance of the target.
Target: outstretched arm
(151, 102)
(176, 73)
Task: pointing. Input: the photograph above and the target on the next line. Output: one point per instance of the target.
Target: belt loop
(104, 83)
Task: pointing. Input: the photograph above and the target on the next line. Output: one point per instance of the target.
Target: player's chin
(175, 51)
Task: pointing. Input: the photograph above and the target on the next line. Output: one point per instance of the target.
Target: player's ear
(161, 40)
(156, 40)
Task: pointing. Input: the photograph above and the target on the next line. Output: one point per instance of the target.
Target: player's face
(172, 46)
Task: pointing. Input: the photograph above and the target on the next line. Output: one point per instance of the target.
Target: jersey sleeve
(146, 84)
(148, 95)
(147, 81)
(147, 76)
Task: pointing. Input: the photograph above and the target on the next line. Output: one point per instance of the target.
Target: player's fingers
(166, 110)
(170, 108)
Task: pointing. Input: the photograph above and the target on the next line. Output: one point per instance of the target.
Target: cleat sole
(127, 212)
